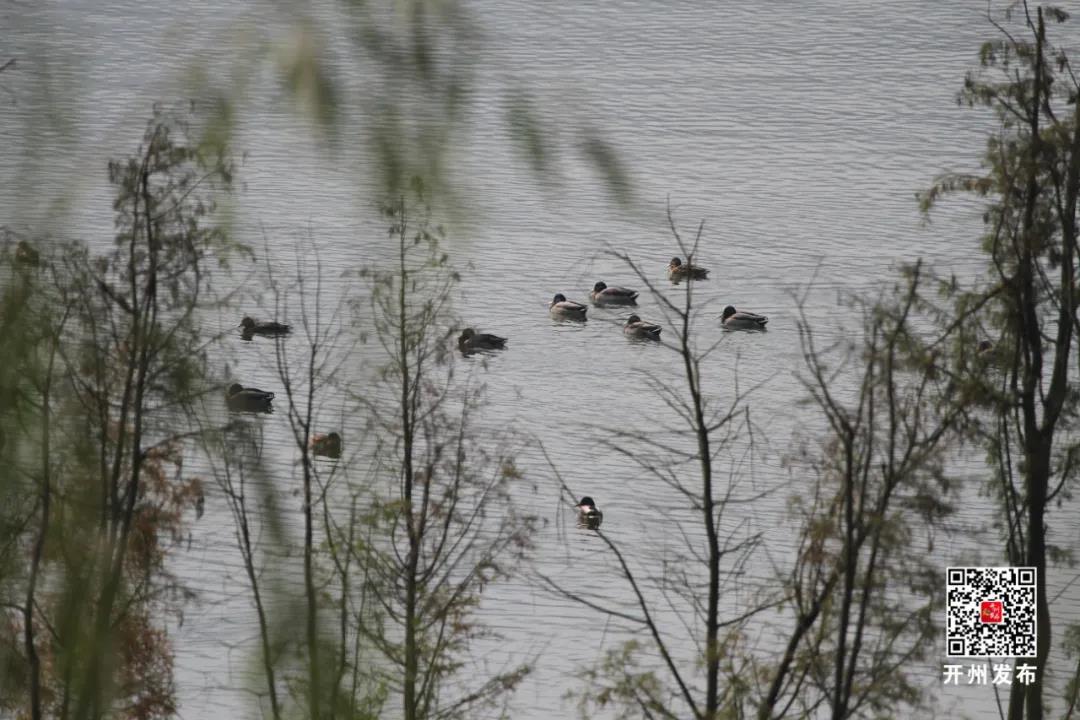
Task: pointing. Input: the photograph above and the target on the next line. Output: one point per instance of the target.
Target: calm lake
(798, 132)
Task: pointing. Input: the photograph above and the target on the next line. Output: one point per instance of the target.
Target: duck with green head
(637, 328)
(564, 309)
(588, 514)
(241, 399)
(603, 295)
(733, 319)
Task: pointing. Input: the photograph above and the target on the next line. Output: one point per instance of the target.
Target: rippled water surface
(798, 131)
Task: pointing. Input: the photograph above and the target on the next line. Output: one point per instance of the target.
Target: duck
(472, 341)
(635, 327)
(733, 319)
(241, 399)
(268, 328)
(603, 295)
(26, 254)
(588, 514)
(677, 271)
(567, 309)
(328, 445)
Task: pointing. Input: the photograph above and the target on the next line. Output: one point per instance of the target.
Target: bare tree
(880, 485)
(444, 524)
(308, 377)
(685, 456)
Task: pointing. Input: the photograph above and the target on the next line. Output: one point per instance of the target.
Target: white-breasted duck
(603, 295)
(635, 327)
(733, 319)
(567, 309)
(588, 514)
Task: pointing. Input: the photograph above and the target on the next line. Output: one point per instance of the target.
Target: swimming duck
(472, 341)
(604, 295)
(588, 514)
(677, 271)
(637, 328)
(268, 328)
(328, 445)
(25, 254)
(733, 319)
(567, 309)
(241, 399)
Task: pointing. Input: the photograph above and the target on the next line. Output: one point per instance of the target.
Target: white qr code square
(990, 612)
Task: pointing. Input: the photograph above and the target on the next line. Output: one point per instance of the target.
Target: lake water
(798, 131)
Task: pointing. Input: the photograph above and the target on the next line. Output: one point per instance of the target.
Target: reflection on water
(799, 136)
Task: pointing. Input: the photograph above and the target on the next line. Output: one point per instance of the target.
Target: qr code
(990, 612)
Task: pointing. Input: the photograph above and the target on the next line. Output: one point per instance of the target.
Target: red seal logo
(991, 611)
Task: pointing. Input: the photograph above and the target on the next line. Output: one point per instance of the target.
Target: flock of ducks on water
(603, 295)
(253, 400)
(248, 399)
